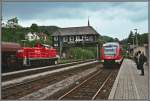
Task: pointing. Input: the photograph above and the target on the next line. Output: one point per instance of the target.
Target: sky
(114, 19)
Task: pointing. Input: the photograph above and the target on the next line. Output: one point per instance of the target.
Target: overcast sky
(114, 19)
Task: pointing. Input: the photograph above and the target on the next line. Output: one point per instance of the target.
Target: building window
(55, 38)
(81, 37)
(65, 39)
(87, 38)
(71, 38)
(32, 37)
(56, 44)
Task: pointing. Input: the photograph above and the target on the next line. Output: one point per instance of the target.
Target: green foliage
(107, 39)
(13, 34)
(116, 40)
(143, 38)
(17, 34)
(34, 28)
(131, 37)
(15, 20)
(80, 53)
(32, 43)
(100, 40)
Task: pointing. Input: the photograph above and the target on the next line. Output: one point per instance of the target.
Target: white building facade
(31, 36)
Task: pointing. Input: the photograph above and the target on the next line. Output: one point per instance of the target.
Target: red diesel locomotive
(15, 57)
(111, 53)
(42, 54)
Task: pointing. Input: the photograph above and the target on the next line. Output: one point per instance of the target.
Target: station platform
(129, 84)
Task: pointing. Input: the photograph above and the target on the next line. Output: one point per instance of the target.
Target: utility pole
(136, 37)
(133, 42)
(88, 21)
(97, 51)
(60, 46)
(133, 46)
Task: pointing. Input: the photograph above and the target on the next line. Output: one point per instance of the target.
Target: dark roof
(85, 30)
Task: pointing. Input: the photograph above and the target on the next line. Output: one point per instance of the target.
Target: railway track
(18, 90)
(21, 73)
(97, 86)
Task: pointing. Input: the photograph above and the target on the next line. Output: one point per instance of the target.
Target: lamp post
(133, 42)
(136, 37)
(133, 45)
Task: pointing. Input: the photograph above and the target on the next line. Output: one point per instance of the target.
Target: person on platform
(141, 60)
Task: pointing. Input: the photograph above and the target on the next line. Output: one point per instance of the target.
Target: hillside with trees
(131, 39)
(17, 34)
(142, 38)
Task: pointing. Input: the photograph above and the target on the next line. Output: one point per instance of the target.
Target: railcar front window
(111, 51)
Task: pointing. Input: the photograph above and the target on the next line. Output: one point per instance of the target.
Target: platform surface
(129, 84)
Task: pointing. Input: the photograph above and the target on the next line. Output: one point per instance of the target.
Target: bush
(79, 53)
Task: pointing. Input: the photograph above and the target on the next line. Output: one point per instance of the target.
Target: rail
(93, 93)
(20, 73)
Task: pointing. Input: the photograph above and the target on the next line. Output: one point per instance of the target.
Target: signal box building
(74, 36)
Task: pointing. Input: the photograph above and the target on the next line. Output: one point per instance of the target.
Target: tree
(145, 38)
(34, 28)
(13, 23)
(142, 39)
(131, 37)
(107, 39)
(116, 40)
(13, 20)
(100, 40)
